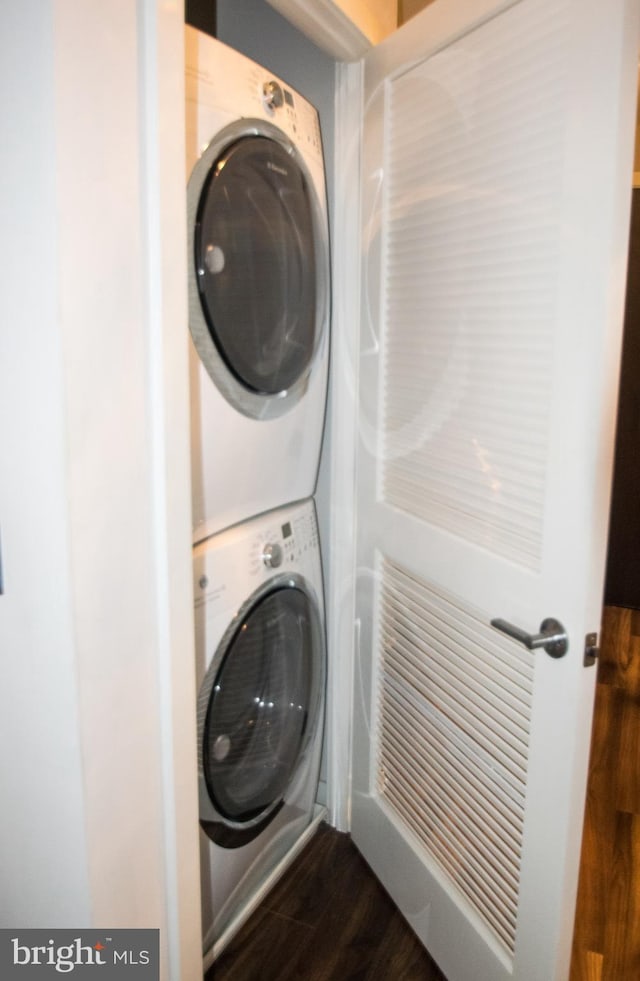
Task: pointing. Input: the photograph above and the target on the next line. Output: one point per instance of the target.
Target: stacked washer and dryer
(259, 324)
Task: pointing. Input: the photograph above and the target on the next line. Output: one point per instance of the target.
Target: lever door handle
(552, 637)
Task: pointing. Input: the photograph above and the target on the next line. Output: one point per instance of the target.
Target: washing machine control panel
(283, 544)
(229, 566)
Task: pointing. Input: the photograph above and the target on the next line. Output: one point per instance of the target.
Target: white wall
(43, 846)
(98, 766)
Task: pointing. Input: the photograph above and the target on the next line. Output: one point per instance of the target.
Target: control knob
(272, 95)
(272, 555)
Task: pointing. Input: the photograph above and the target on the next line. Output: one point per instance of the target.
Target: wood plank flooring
(328, 919)
(606, 943)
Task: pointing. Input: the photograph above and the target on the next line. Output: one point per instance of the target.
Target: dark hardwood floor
(606, 943)
(328, 919)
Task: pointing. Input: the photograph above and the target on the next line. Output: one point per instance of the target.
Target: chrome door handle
(552, 636)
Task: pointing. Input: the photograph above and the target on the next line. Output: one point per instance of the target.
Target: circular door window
(263, 696)
(259, 284)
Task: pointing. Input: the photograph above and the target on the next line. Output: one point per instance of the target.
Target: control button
(272, 556)
(272, 95)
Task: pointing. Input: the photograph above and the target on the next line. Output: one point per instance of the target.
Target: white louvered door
(497, 158)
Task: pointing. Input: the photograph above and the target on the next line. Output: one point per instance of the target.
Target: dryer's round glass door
(256, 265)
(262, 706)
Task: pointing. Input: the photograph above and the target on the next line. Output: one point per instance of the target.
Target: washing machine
(259, 287)
(260, 652)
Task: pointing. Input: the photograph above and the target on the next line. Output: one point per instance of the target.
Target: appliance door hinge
(591, 650)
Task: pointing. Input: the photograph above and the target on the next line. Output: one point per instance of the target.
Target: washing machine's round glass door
(256, 265)
(263, 698)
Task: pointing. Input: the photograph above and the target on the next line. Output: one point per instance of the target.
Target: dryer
(260, 650)
(258, 287)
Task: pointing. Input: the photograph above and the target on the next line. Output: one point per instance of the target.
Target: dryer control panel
(290, 111)
(224, 81)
